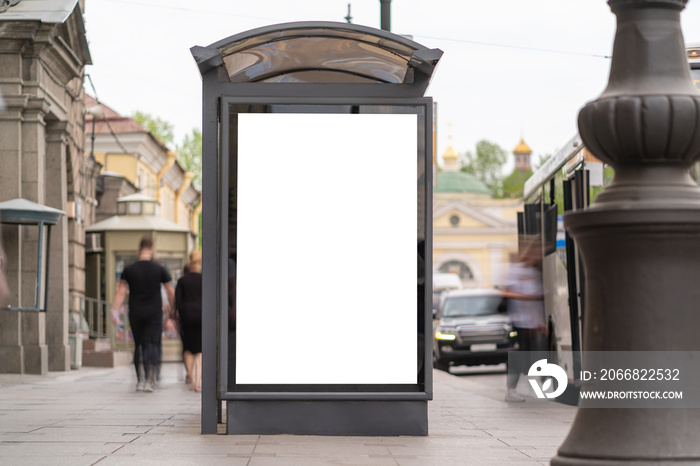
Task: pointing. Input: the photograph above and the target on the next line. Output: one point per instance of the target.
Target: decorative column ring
(646, 124)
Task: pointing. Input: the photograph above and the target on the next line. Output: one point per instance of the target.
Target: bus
(569, 181)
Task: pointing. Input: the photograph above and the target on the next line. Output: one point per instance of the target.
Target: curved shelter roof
(318, 52)
(460, 182)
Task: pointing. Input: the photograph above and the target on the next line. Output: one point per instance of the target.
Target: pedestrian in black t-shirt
(142, 281)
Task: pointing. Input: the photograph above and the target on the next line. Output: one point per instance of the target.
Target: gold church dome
(522, 148)
(450, 153)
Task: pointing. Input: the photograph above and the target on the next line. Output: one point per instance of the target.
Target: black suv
(472, 328)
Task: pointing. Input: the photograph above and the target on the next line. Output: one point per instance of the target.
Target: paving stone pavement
(94, 416)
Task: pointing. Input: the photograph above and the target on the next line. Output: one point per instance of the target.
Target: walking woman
(188, 302)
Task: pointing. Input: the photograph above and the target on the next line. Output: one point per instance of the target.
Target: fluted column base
(628, 436)
(642, 294)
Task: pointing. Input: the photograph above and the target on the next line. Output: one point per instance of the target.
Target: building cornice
(457, 246)
(476, 231)
(59, 59)
(470, 211)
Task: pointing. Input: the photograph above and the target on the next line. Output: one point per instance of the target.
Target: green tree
(541, 160)
(190, 156)
(487, 164)
(161, 129)
(514, 183)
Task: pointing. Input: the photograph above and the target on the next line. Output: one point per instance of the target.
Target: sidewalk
(94, 416)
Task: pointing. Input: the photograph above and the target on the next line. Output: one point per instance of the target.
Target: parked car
(472, 328)
(441, 283)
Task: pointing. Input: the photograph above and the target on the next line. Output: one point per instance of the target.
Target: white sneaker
(140, 386)
(513, 396)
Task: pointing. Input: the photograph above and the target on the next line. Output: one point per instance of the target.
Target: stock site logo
(551, 371)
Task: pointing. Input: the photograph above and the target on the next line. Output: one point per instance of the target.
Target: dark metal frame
(422, 146)
(216, 291)
(409, 408)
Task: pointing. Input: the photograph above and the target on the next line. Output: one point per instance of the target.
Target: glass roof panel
(298, 52)
(338, 32)
(294, 54)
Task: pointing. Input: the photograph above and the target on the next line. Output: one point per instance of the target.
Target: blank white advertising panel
(326, 249)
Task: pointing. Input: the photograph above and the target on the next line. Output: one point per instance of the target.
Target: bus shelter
(317, 146)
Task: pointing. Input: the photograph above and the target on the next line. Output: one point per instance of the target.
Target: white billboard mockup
(327, 249)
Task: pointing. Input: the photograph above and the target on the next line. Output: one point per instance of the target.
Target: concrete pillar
(639, 240)
(11, 146)
(33, 188)
(34, 150)
(56, 196)
(36, 353)
(11, 351)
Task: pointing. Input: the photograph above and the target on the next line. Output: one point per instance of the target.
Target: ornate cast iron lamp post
(640, 240)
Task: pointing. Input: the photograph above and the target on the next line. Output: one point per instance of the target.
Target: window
(459, 268)
(466, 306)
(134, 208)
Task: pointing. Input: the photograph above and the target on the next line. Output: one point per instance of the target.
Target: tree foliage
(161, 129)
(190, 149)
(514, 183)
(487, 164)
(541, 160)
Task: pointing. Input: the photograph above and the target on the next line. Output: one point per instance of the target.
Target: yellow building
(126, 148)
(142, 190)
(474, 235)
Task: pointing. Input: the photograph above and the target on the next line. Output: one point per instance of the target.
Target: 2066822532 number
(640, 374)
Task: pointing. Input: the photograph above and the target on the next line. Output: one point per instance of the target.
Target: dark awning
(24, 212)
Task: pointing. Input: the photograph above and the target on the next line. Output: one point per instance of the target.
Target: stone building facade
(43, 53)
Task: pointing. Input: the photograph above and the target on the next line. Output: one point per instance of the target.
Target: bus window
(695, 76)
(550, 229)
(599, 177)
